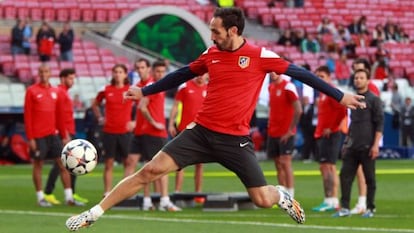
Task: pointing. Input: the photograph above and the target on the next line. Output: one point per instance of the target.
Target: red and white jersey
(330, 115)
(281, 110)
(65, 106)
(239, 76)
(117, 109)
(155, 107)
(191, 96)
(40, 111)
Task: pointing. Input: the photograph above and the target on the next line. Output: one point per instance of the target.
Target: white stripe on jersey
(268, 54)
(291, 87)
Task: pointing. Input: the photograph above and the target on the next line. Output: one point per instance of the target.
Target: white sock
(291, 191)
(40, 195)
(147, 201)
(68, 194)
(281, 197)
(97, 211)
(362, 201)
(334, 202)
(164, 200)
(327, 200)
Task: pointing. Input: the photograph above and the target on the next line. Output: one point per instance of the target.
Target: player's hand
(326, 132)
(172, 130)
(158, 125)
(353, 101)
(32, 145)
(374, 152)
(130, 126)
(133, 93)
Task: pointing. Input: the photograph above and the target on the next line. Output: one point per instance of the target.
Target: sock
(291, 191)
(147, 201)
(40, 195)
(97, 211)
(68, 194)
(335, 202)
(362, 201)
(327, 200)
(281, 197)
(164, 200)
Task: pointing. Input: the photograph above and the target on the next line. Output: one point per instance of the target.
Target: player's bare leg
(160, 165)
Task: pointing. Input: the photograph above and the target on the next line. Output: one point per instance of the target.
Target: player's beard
(225, 45)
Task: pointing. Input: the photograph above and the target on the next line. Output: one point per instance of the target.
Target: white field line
(189, 220)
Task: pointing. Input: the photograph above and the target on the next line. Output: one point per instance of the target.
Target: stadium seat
(9, 10)
(62, 12)
(113, 15)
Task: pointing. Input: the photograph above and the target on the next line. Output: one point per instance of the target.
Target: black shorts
(147, 146)
(116, 145)
(49, 147)
(201, 145)
(329, 148)
(276, 148)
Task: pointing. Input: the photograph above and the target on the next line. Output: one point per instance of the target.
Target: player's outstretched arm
(353, 101)
(349, 100)
(171, 80)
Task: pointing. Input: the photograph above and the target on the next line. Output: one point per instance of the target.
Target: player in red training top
(65, 105)
(284, 114)
(116, 122)
(41, 126)
(150, 133)
(220, 132)
(328, 138)
(190, 96)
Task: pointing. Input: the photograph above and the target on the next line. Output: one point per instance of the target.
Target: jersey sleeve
(60, 116)
(272, 62)
(199, 66)
(291, 92)
(101, 95)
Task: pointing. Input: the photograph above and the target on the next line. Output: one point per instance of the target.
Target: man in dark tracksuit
(362, 145)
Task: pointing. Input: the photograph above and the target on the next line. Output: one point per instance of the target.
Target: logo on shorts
(244, 62)
(243, 144)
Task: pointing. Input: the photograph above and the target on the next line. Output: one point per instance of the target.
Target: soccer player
(362, 145)
(116, 123)
(220, 130)
(191, 96)
(65, 113)
(284, 113)
(41, 125)
(328, 137)
(150, 133)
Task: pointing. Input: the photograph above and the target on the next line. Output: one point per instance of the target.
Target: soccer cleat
(52, 199)
(44, 203)
(83, 220)
(358, 209)
(170, 207)
(342, 213)
(149, 207)
(368, 213)
(74, 203)
(78, 198)
(323, 207)
(291, 206)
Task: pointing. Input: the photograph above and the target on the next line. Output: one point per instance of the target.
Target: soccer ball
(79, 157)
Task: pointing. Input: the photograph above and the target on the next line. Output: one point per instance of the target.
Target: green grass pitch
(395, 202)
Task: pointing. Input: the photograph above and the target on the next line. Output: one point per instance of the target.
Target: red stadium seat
(113, 15)
(62, 12)
(101, 13)
(9, 10)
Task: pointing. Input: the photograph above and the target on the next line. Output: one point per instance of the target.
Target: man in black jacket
(362, 145)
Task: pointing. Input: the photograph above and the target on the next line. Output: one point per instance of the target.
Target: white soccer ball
(79, 157)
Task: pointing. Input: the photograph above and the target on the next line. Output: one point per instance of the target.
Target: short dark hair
(231, 16)
(158, 63)
(147, 62)
(366, 71)
(364, 61)
(323, 69)
(66, 72)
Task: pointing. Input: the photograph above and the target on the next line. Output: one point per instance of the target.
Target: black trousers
(352, 159)
(407, 132)
(53, 176)
(309, 148)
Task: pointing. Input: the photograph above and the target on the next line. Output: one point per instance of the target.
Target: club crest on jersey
(244, 61)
